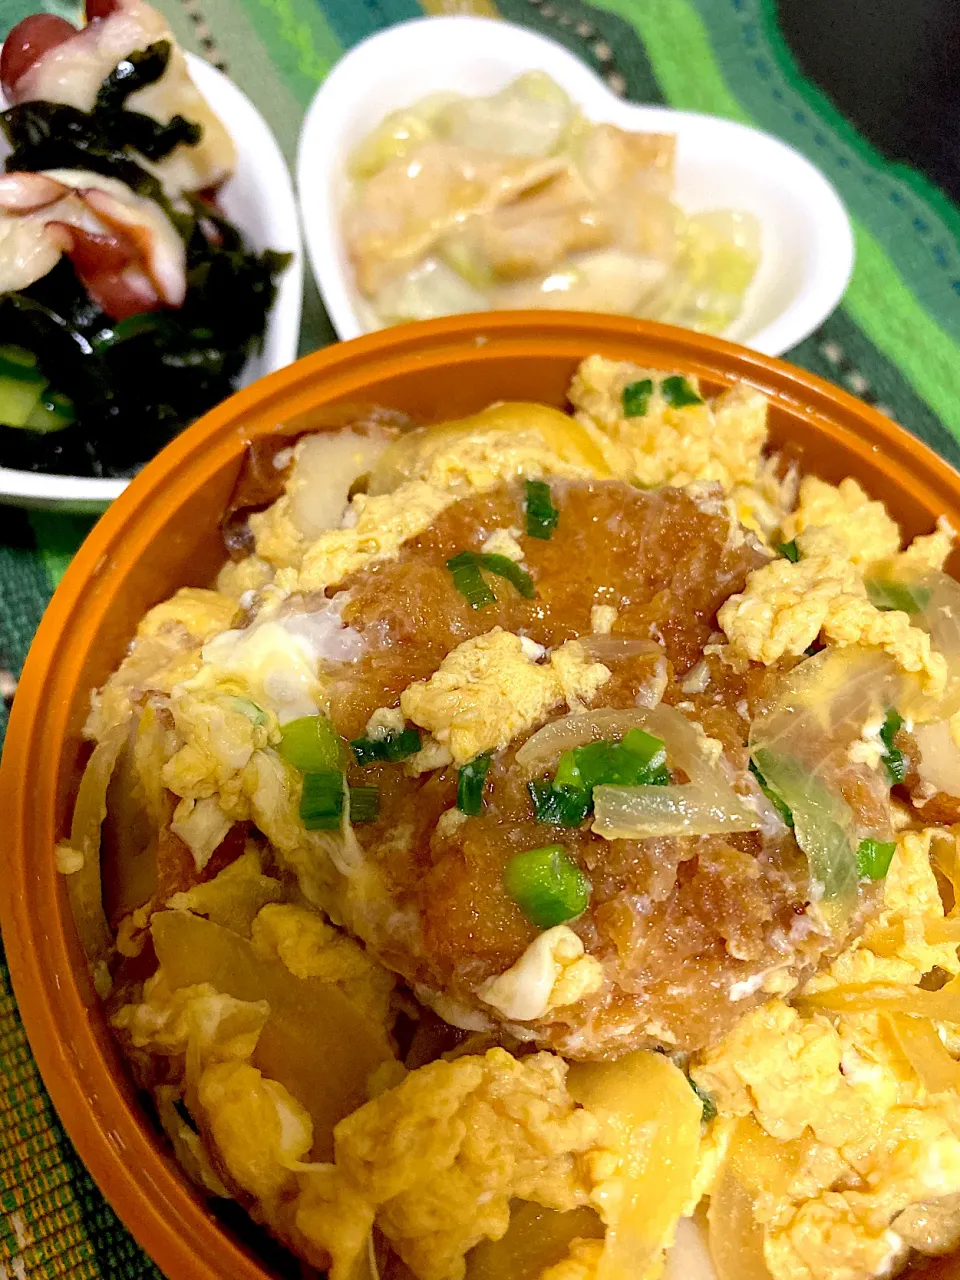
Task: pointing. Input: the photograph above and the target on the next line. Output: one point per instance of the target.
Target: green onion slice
(775, 799)
(470, 782)
(321, 800)
(311, 744)
(638, 760)
(678, 392)
(542, 515)
(894, 761)
(252, 710)
(364, 804)
(391, 747)
(547, 885)
(874, 857)
(884, 593)
(560, 806)
(789, 550)
(468, 580)
(636, 398)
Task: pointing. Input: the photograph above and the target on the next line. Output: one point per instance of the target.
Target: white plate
(807, 242)
(259, 199)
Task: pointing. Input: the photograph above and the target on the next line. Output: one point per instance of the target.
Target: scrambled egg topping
(720, 440)
(491, 689)
(839, 534)
(859, 1137)
(442, 1155)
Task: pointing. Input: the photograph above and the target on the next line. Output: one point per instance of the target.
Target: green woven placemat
(895, 342)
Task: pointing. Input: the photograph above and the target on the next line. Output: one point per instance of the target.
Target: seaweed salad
(129, 304)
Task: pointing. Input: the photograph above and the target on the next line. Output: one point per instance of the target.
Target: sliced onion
(84, 886)
(941, 1006)
(939, 757)
(925, 1051)
(754, 1162)
(705, 805)
(546, 746)
(802, 744)
(940, 617)
(638, 813)
(653, 1117)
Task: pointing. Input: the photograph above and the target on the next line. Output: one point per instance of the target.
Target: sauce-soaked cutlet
(686, 927)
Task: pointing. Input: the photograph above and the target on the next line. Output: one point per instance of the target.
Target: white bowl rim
(344, 87)
(48, 490)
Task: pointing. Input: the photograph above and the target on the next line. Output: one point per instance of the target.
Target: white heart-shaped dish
(807, 240)
(259, 199)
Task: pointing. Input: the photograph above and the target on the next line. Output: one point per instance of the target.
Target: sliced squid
(45, 59)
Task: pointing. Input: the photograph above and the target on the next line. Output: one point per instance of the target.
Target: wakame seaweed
(135, 383)
(52, 135)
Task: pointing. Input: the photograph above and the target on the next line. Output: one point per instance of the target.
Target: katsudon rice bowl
(534, 856)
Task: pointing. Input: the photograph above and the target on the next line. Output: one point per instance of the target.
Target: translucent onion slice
(939, 757)
(705, 808)
(705, 805)
(652, 1117)
(684, 749)
(84, 886)
(941, 1006)
(802, 747)
(536, 1239)
(918, 1041)
(940, 617)
(755, 1163)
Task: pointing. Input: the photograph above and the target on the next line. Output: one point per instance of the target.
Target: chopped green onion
(618, 764)
(894, 761)
(310, 744)
(547, 885)
(884, 593)
(542, 515)
(468, 580)
(650, 749)
(321, 800)
(874, 857)
(561, 806)
(567, 775)
(391, 747)
(364, 804)
(678, 392)
(776, 800)
(636, 398)
(470, 782)
(254, 713)
(709, 1106)
(789, 550)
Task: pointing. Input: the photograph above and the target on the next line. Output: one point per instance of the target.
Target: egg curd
(535, 857)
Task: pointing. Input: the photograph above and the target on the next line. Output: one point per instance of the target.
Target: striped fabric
(895, 342)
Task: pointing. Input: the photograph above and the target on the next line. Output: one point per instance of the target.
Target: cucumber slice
(53, 412)
(18, 356)
(20, 392)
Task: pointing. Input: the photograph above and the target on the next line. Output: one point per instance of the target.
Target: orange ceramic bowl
(162, 534)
